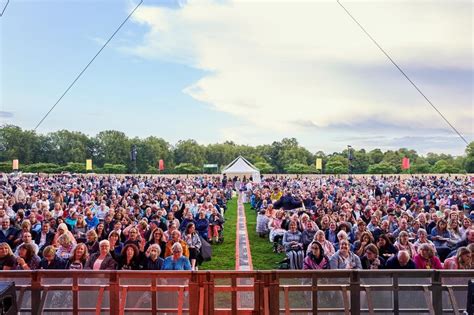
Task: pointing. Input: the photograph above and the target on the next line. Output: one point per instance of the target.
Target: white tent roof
(240, 166)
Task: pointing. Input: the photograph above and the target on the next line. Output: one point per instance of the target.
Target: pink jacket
(433, 263)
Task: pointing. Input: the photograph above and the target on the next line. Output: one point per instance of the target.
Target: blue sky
(252, 72)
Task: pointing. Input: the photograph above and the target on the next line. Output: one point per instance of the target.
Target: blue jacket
(181, 264)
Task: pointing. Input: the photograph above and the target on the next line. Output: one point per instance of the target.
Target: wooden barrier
(215, 292)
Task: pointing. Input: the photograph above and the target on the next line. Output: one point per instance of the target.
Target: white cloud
(274, 63)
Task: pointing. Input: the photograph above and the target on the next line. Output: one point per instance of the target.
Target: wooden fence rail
(240, 292)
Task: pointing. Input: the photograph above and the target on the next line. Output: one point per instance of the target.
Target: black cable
(87, 66)
(402, 72)
(4, 8)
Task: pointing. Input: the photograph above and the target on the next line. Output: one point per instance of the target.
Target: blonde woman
(65, 246)
(62, 229)
(462, 260)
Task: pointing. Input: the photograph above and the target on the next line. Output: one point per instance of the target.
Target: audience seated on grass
(369, 222)
(110, 223)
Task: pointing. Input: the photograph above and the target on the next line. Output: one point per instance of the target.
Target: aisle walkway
(243, 256)
(242, 247)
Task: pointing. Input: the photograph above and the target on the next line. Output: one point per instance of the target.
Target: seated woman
(92, 242)
(371, 258)
(202, 225)
(153, 261)
(102, 260)
(344, 258)
(385, 246)
(423, 239)
(65, 246)
(157, 238)
(177, 261)
(129, 258)
(441, 237)
(215, 225)
(27, 259)
(316, 259)
(327, 245)
(7, 259)
(331, 233)
(292, 240)
(426, 259)
(462, 260)
(79, 256)
(62, 229)
(194, 243)
(364, 240)
(116, 245)
(276, 229)
(403, 243)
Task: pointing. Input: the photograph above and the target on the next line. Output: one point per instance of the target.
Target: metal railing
(242, 292)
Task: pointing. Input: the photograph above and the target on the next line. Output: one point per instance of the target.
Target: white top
(97, 264)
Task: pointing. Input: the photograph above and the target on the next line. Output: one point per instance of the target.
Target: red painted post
(114, 293)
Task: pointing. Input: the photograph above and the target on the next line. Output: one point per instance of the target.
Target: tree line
(65, 150)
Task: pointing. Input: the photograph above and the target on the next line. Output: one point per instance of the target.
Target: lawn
(223, 255)
(263, 257)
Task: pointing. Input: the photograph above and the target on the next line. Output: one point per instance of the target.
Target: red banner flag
(405, 163)
(161, 165)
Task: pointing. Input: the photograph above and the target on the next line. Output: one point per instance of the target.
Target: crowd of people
(109, 223)
(418, 222)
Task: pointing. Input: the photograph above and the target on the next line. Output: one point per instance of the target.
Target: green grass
(223, 255)
(263, 257)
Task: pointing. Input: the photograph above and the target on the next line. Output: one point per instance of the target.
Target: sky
(252, 71)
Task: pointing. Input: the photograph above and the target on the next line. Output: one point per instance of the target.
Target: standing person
(177, 261)
(292, 240)
(102, 260)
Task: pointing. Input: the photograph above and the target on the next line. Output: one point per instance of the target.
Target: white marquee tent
(241, 167)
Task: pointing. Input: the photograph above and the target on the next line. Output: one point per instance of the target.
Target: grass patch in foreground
(223, 255)
(263, 257)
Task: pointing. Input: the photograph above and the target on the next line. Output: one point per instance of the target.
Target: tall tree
(113, 147)
(189, 151)
(16, 143)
